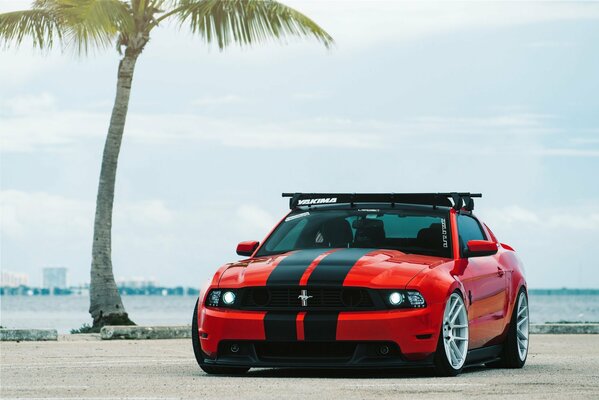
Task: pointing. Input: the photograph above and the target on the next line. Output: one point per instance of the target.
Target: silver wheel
(455, 331)
(522, 326)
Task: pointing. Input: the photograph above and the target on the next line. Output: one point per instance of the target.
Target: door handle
(500, 272)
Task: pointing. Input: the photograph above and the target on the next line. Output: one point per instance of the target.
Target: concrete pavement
(558, 366)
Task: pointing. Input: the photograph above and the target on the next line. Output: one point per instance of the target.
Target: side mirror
(247, 248)
(479, 248)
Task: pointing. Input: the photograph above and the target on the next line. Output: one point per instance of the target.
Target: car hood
(325, 267)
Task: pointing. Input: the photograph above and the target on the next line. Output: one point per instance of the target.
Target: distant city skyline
(496, 97)
(13, 279)
(55, 277)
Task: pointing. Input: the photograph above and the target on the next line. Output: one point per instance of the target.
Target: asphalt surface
(559, 366)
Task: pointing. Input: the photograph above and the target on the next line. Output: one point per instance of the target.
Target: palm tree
(127, 25)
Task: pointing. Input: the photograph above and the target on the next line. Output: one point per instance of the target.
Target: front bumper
(339, 354)
(412, 335)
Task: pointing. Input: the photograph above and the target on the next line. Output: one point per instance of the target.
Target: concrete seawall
(18, 335)
(184, 332)
(145, 332)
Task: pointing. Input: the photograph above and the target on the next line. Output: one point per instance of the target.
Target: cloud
(254, 219)
(27, 214)
(145, 213)
(408, 21)
(33, 123)
(47, 129)
(586, 218)
(29, 104)
(55, 129)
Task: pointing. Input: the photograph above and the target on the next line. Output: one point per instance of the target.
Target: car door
(485, 284)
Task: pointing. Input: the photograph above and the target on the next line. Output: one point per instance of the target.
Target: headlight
(221, 298)
(229, 298)
(403, 299)
(213, 298)
(395, 298)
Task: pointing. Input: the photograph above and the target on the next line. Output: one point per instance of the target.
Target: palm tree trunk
(106, 307)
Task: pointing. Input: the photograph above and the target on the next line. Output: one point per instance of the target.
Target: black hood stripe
(332, 270)
(290, 270)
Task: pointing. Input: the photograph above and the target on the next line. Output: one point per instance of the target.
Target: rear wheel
(200, 355)
(452, 347)
(515, 348)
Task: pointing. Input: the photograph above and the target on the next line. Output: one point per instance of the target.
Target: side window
(468, 229)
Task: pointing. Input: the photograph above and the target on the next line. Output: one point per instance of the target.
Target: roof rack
(456, 200)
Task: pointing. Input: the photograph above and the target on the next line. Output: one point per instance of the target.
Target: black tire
(510, 356)
(200, 355)
(442, 365)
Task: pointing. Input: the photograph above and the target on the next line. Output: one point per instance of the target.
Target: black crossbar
(456, 200)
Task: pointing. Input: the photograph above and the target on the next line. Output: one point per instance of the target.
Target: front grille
(320, 298)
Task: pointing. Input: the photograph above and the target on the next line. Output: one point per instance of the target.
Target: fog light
(395, 298)
(384, 350)
(228, 298)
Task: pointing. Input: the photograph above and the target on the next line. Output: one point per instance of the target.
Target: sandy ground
(559, 366)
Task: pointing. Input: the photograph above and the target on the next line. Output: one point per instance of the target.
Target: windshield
(406, 231)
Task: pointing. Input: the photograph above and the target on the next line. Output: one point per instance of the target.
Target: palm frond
(42, 26)
(246, 21)
(90, 23)
(81, 24)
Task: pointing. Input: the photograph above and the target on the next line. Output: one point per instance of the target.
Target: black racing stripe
(290, 270)
(280, 327)
(332, 270)
(320, 326)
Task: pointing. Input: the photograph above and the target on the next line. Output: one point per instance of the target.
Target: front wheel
(452, 347)
(200, 355)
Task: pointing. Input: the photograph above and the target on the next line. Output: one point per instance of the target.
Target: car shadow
(403, 373)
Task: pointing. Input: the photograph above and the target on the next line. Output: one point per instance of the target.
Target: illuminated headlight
(213, 298)
(415, 299)
(221, 298)
(395, 298)
(229, 298)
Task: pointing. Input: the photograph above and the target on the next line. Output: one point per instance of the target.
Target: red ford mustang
(367, 281)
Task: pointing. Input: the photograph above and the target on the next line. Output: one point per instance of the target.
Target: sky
(498, 98)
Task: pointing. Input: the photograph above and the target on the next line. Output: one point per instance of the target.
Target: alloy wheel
(455, 331)
(522, 326)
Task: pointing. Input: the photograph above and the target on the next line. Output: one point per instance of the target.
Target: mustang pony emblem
(304, 298)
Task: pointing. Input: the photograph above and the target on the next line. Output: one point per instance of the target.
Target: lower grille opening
(306, 350)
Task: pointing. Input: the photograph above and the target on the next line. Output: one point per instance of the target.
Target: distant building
(13, 279)
(55, 278)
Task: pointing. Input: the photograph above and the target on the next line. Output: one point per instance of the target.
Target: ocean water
(68, 312)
